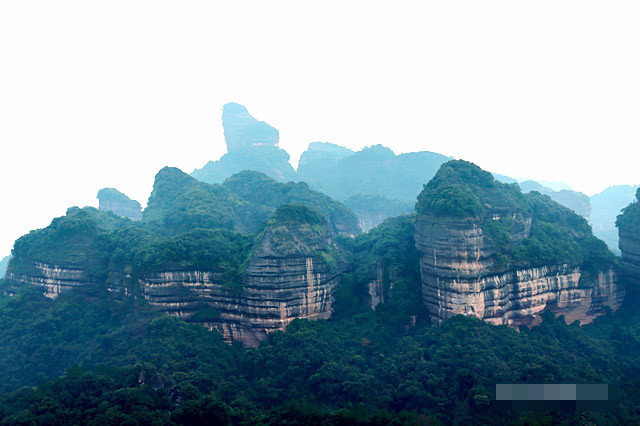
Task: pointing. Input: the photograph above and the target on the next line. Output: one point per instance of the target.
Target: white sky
(96, 94)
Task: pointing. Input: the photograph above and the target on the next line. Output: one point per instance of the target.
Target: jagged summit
(242, 130)
(251, 145)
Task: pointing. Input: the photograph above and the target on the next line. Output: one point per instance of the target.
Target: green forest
(88, 357)
(84, 358)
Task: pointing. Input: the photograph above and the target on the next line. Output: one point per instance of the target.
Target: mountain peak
(242, 130)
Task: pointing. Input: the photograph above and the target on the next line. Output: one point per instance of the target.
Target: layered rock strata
(276, 291)
(459, 276)
(53, 279)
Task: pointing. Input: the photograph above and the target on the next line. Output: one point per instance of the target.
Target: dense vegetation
(180, 203)
(462, 190)
(629, 220)
(391, 247)
(126, 364)
(259, 189)
(87, 357)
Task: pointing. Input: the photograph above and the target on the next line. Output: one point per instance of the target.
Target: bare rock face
(292, 273)
(53, 279)
(112, 200)
(458, 270)
(490, 251)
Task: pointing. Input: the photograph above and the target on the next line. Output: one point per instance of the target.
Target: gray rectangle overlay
(551, 392)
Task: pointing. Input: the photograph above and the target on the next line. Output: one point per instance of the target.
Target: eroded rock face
(53, 279)
(459, 276)
(276, 289)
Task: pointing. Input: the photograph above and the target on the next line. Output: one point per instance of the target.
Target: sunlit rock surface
(458, 277)
(292, 273)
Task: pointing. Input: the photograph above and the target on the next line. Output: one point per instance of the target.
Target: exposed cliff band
(291, 271)
(488, 250)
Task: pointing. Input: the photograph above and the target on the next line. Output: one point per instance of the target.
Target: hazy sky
(96, 94)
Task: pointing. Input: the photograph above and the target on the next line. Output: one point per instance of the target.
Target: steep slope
(576, 201)
(373, 209)
(180, 203)
(4, 263)
(72, 252)
(385, 269)
(259, 189)
(251, 145)
(247, 289)
(605, 208)
(112, 200)
(490, 251)
(186, 259)
(628, 224)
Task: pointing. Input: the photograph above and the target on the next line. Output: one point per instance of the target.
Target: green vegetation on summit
(261, 190)
(462, 190)
(180, 203)
(629, 219)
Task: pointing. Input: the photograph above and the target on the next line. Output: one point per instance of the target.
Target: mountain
(259, 189)
(373, 170)
(373, 209)
(112, 200)
(576, 201)
(487, 250)
(4, 263)
(179, 203)
(251, 145)
(605, 207)
(321, 327)
(241, 258)
(628, 223)
(290, 271)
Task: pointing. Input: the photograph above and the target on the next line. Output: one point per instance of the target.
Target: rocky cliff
(251, 145)
(628, 224)
(488, 250)
(292, 272)
(242, 287)
(112, 200)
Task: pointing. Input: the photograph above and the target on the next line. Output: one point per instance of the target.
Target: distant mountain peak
(242, 130)
(112, 200)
